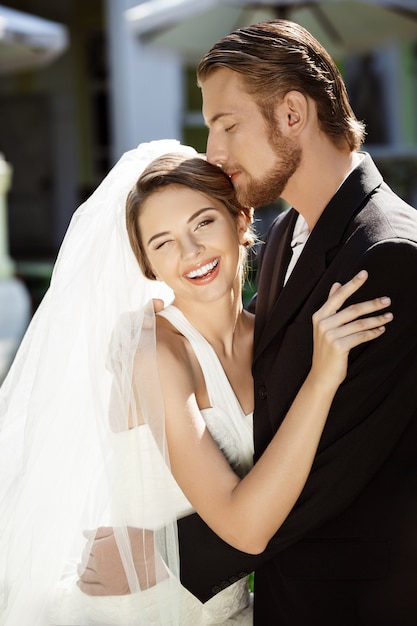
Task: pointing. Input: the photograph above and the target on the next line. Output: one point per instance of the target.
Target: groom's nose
(216, 150)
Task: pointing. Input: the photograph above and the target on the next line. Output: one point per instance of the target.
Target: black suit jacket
(347, 553)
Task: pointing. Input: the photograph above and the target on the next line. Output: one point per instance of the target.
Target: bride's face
(193, 243)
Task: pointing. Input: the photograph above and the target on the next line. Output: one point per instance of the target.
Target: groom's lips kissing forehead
(234, 175)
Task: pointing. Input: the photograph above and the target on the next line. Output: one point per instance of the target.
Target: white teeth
(203, 270)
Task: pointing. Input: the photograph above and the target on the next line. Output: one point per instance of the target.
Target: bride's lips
(203, 273)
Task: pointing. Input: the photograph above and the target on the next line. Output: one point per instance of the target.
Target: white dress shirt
(299, 238)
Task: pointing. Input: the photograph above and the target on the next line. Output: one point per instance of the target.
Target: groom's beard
(272, 184)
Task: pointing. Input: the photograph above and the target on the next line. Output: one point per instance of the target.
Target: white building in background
(146, 86)
(119, 83)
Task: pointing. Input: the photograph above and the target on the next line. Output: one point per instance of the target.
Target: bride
(112, 416)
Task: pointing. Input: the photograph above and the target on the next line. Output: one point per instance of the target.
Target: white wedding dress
(232, 430)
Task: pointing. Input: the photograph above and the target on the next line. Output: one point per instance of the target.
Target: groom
(280, 125)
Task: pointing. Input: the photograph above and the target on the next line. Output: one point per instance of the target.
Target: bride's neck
(221, 322)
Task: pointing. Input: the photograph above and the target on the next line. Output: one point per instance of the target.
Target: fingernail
(388, 316)
(362, 274)
(385, 300)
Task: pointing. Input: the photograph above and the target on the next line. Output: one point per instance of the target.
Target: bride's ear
(243, 229)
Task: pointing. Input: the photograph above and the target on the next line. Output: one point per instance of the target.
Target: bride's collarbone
(236, 363)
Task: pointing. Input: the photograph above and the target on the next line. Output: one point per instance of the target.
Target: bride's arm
(247, 513)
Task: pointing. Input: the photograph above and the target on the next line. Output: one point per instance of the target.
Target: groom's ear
(293, 113)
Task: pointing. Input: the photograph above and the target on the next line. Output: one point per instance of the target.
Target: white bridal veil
(65, 410)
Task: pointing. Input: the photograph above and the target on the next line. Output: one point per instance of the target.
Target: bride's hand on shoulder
(336, 331)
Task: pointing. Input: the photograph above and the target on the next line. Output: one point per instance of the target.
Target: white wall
(146, 95)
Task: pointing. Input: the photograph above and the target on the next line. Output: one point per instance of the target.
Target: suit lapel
(291, 297)
(274, 261)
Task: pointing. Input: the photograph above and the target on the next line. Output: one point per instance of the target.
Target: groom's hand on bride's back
(101, 572)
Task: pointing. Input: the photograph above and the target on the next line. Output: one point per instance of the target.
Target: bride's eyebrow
(193, 217)
(203, 210)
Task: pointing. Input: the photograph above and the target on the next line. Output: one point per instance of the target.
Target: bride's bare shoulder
(167, 336)
(172, 347)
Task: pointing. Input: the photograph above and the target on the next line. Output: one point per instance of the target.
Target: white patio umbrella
(342, 26)
(28, 41)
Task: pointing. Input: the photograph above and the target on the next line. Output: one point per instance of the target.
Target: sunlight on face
(256, 155)
(192, 242)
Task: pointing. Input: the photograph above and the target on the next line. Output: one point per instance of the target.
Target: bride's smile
(204, 272)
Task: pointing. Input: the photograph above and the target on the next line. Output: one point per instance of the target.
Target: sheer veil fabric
(66, 407)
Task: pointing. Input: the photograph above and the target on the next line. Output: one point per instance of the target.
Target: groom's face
(258, 158)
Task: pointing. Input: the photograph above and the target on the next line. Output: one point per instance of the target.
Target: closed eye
(161, 244)
(229, 128)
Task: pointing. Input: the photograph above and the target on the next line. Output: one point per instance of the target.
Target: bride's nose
(191, 248)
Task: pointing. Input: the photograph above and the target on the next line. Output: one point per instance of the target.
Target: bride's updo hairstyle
(179, 169)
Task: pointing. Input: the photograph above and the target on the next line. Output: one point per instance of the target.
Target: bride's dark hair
(179, 169)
